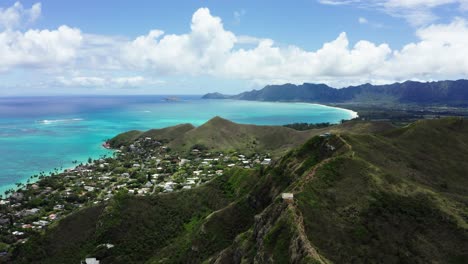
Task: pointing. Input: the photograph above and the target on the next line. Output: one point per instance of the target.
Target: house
(31, 211)
(89, 188)
(41, 223)
(90, 261)
(169, 186)
(266, 162)
(17, 196)
(26, 226)
(190, 182)
(17, 233)
(58, 207)
(288, 197)
(143, 190)
(183, 161)
(325, 135)
(4, 221)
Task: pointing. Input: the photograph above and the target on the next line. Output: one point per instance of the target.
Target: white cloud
(338, 2)
(238, 15)
(106, 81)
(215, 53)
(38, 48)
(440, 52)
(34, 48)
(362, 20)
(200, 51)
(208, 49)
(416, 12)
(14, 16)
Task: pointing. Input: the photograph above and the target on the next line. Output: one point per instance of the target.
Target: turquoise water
(42, 133)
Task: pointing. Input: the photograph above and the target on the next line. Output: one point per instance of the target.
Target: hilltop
(454, 93)
(393, 195)
(221, 134)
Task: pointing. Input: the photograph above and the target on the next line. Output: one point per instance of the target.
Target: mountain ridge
(394, 196)
(409, 92)
(219, 133)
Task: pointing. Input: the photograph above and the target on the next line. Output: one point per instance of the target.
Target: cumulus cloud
(38, 48)
(208, 49)
(200, 51)
(16, 15)
(215, 52)
(34, 48)
(438, 53)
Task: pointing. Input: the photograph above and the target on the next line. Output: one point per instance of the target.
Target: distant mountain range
(453, 93)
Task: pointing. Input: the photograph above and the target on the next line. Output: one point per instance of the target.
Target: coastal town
(145, 167)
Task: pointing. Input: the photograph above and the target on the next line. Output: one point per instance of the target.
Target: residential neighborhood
(146, 167)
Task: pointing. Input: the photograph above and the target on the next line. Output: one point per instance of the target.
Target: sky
(56, 47)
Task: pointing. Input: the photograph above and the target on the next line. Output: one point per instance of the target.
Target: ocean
(40, 134)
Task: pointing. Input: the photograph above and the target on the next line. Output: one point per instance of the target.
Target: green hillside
(369, 193)
(163, 134)
(221, 134)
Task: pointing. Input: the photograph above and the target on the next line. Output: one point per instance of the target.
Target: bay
(38, 134)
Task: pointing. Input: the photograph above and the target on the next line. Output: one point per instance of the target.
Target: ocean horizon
(44, 133)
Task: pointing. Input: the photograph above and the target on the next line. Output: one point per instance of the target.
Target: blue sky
(193, 47)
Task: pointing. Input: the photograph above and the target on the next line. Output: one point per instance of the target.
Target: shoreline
(48, 173)
(352, 114)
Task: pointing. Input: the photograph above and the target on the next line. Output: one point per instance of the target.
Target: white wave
(53, 121)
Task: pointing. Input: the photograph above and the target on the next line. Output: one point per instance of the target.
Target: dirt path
(350, 148)
(298, 218)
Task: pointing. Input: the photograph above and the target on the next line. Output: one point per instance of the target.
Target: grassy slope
(222, 134)
(397, 195)
(163, 134)
(138, 226)
(401, 198)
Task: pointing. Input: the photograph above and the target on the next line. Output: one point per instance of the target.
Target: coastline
(48, 173)
(26, 175)
(353, 113)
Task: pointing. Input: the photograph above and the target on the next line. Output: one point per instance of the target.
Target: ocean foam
(53, 121)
